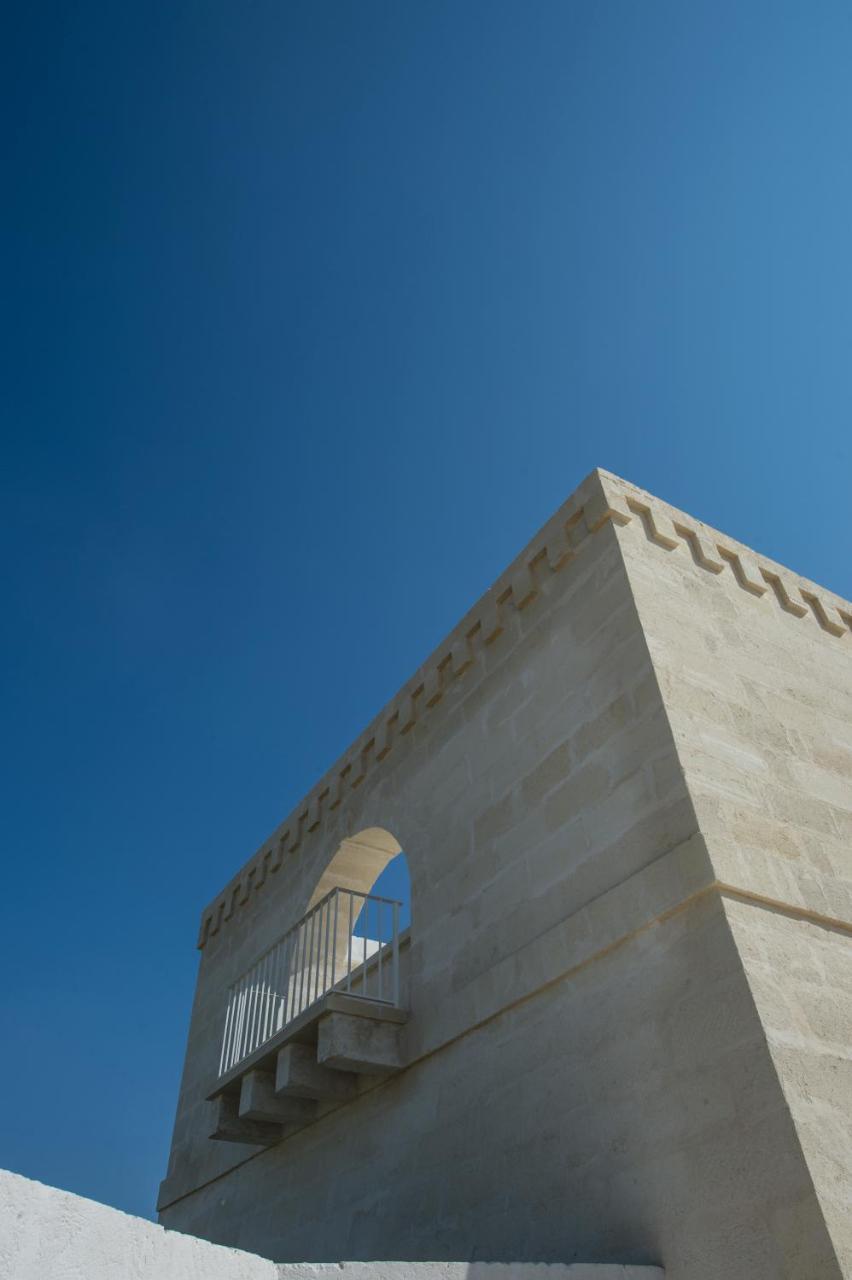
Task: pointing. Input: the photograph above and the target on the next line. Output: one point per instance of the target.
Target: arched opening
(369, 879)
(358, 863)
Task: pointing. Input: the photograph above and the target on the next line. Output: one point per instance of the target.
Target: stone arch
(358, 862)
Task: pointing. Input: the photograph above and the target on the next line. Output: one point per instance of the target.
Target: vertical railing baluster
(317, 947)
(235, 1004)
(300, 970)
(286, 978)
(291, 981)
(250, 989)
(261, 996)
(235, 1033)
(264, 1006)
(318, 983)
(241, 1017)
(304, 931)
(246, 1014)
(396, 955)
(291, 976)
(279, 983)
(309, 973)
(225, 1035)
(321, 972)
(325, 947)
(280, 962)
(268, 996)
(309, 940)
(312, 985)
(258, 998)
(349, 957)
(308, 1000)
(334, 941)
(252, 1008)
(365, 912)
(255, 1015)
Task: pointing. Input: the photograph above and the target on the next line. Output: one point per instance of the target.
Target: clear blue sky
(314, 312)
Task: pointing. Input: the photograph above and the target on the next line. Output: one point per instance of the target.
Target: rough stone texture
(622, 788)
(800, 974)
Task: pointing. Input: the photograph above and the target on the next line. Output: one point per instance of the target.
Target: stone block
(299, 1075)
(229, 1126)
(363, 1045)
(259, 1101)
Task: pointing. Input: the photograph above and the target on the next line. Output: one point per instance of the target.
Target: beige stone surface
(756, 672)
(628, 762)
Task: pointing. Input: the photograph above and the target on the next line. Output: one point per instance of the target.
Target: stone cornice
(600, 499)
(715, 553)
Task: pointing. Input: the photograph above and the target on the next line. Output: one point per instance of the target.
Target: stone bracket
(259, 1101)
(230, 1127)
(362, 1045)
(299, 1075)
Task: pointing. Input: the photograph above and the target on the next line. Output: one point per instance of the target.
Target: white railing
(327, 950)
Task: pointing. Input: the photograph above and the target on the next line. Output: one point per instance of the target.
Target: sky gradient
(313, 314)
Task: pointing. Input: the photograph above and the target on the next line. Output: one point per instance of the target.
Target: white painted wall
(47, 1234)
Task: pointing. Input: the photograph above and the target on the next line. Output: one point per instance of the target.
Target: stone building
(618, 1028)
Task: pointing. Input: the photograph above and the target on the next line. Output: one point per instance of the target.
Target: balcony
(319, 1008)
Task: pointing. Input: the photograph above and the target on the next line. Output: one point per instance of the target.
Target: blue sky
(313, 314)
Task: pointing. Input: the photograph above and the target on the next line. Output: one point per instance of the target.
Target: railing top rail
(354, 893)
(358, 893)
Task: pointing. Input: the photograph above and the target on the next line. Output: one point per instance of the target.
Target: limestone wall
(588, 1076)
(484, 793)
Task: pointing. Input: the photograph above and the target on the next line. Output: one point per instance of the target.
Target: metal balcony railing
(327, 950)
